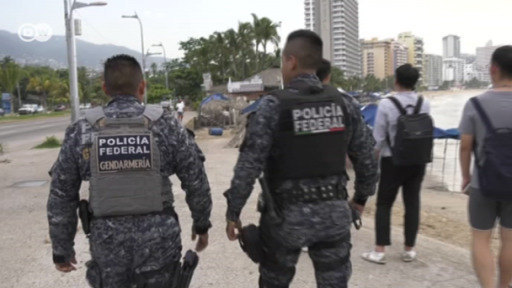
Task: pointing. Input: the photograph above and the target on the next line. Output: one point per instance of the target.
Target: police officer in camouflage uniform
(298, 138)
(127, 152)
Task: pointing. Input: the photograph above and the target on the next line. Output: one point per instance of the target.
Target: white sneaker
(409, 256)
(375, 257)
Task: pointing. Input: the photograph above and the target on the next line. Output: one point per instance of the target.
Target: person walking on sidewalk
(299, 138)
(486, 131)
(127, 152)
(180, 108)
(403, 158)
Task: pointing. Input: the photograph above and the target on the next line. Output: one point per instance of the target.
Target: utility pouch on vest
(125, 168)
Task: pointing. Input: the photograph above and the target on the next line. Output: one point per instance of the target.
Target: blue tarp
(218, 97)
(452, 133)
(370, 111)
(252, 107)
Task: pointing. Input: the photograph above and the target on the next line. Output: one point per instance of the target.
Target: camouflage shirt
(261, 129)
(179, 155)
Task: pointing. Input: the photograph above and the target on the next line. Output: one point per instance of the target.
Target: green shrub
(50, 142)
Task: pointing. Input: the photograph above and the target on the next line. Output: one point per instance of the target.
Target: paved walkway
(26, 252)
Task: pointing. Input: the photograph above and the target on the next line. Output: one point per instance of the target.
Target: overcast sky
(172, 21)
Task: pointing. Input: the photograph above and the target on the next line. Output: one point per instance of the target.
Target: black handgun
(356, 218)
(85, 216)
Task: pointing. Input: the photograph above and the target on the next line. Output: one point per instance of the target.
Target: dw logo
(41, 32)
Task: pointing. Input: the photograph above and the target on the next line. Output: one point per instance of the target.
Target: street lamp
(135, 16)
(165, 62)
(71, 46)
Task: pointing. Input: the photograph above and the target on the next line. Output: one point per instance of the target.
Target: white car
(40, 109)
(28, 109)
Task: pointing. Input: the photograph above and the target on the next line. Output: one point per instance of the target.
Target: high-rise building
(453, 70)
(381, 57)
(337, 23)
(415, 52)
(469, 58)
(483, 60)
(451, 46)
(433, 71)
(400, 54)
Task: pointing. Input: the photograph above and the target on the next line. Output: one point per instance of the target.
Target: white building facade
(337, 23)
(453, 70)
(433, 71)
(451, 46)
(483, 60)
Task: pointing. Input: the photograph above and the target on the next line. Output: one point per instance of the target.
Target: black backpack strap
(485, 118)
(418, 105)
(398, 105)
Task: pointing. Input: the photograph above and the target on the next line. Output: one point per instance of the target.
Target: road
(16, 136)
(20, 135)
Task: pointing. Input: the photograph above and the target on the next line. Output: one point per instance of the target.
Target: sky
(172, 21)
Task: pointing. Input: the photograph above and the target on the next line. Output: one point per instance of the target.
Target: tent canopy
(252, 107)
(217, 97)
(370, 111)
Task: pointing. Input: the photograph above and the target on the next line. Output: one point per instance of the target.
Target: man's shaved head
(122, 75)
(306, 46)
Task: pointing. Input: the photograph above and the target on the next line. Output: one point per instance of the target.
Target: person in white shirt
(180, 108)
(394, 176)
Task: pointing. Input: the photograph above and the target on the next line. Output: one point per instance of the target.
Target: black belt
(311, 195)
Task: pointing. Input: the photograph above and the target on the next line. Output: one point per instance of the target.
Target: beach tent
(252, 107)
(370, 111)
(214, 97)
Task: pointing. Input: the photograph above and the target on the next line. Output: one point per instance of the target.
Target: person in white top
(180, 107)
(394, 176)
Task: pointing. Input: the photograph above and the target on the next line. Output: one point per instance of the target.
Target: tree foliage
(235, 54)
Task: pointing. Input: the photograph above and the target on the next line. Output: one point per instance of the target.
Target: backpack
(495, 172)
(414, 137)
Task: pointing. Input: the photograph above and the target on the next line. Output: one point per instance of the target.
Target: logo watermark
(29, 32)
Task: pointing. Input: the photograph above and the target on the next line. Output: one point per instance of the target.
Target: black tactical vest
(311, 140)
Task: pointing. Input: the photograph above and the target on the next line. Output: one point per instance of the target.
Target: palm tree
(265, 31)
(154, 69)
(245, 36)
(10, 75)
(42, 85)
(269, 33)
(257, 34)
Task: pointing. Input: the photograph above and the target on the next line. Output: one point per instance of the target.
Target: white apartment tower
(337, 23)
(433, 71)
(451, 46)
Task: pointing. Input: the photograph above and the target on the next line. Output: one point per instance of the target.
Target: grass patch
(10, 118)
(1, 149)
(50, 142)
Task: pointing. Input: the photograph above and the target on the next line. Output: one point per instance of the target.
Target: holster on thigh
(158, 278)
(93, 274)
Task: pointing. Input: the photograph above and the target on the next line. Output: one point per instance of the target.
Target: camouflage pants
(134, 251)
(325, 232)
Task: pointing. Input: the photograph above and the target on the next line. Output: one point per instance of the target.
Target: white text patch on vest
(327, 117)
(124, 152)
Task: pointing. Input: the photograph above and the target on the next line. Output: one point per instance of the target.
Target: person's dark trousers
(391, 179)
